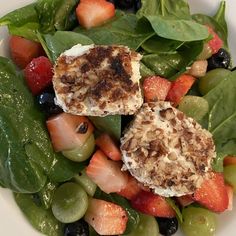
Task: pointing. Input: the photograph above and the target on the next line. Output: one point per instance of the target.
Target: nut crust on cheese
(100, 81)
(167, 151)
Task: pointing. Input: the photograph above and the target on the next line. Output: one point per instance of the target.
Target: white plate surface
(12, 222)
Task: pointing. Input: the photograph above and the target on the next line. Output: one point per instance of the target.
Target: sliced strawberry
(23, 50)
(68, 131)
(179, 88)
(109, 147)
(155, 88)
(38, 74)
(131, 189)
(230, 192)
(229, 160)
(91, 13)
(106, 173)
(152, 204)
(185, 200)
(106, 218)
(216, 42)
(213, 194)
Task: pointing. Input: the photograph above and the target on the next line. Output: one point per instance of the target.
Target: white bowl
(12, 221)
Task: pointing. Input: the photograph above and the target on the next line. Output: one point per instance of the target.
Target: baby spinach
(56, 14)
(40, 218)
(220, 17)
(55, 44)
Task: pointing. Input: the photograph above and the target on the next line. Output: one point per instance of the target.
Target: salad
(117, 117)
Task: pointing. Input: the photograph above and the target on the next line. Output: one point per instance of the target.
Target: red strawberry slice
(91, 13)
(106, 173)
(38, 74)
(152, 204)
(155, 88)
(216, 42)
(106, 218)
(213, 194)
(185, 200)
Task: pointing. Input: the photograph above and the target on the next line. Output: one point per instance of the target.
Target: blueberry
(113, 1)
(219, 60)
(125, 4)
(167, 226)
(78, 228)
(47, 104)
(137, 5)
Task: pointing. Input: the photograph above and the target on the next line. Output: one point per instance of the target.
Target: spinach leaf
(133, 216)
(41, 219)
(170, 8)
(176, 209)
(124, 29)
(178, 29)
(26, 154)
(108, 124)
(55, 44)
(56, 14)
(145, 71)
(22, 22)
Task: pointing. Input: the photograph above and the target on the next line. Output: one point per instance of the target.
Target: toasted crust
(167, 151)
(102, 81)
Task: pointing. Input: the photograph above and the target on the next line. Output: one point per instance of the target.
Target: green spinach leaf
(40, 218)
(176, 209)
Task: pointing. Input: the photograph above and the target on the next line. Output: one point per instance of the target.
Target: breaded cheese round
(97, 80)
(167, 151)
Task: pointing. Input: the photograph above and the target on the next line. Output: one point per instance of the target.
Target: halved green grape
(147, 226)
(194, 106)
(212, 79)
(81, 153)
(230, 175)
(70, 203)
(198, 221)
(88, 185)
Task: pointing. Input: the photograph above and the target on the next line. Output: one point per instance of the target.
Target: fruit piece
(131, 189)
(212, 79)
(70, 202)
(147, 227)
(230, 175)
(155, 88)
(198, 68)
(23, 50)
(91, 13)
(152, 204)
(109, 147)
(198, 221)
(185, 200)
(68, 131)
(78, 228)
(212, 193)
(229, 160)
(179, 88)
(230, 192)
(82, 153)
(106, 218)
(125, 4)
(83, 180)
(221, 59)
(215, 43)
(38, 74)
(194, 106)
(106, 173)
(167, 226)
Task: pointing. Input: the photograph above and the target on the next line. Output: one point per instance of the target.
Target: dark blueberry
(125, 121)
(47, 104)
(137, 5)
(219, 60)
(78, 228)
(113, 1)
(125, 4)
(167, 226)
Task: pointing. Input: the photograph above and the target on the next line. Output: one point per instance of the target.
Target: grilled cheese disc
(98, 80)
(167, 151)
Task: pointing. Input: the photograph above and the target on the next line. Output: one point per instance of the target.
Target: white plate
(12, 222)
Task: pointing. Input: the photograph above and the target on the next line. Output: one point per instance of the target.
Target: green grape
(198, 222)
(194, 106)
(230, 175)
(212, 79)
(70, 203)
(81, 153)
(88, 185)
(147, 226)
